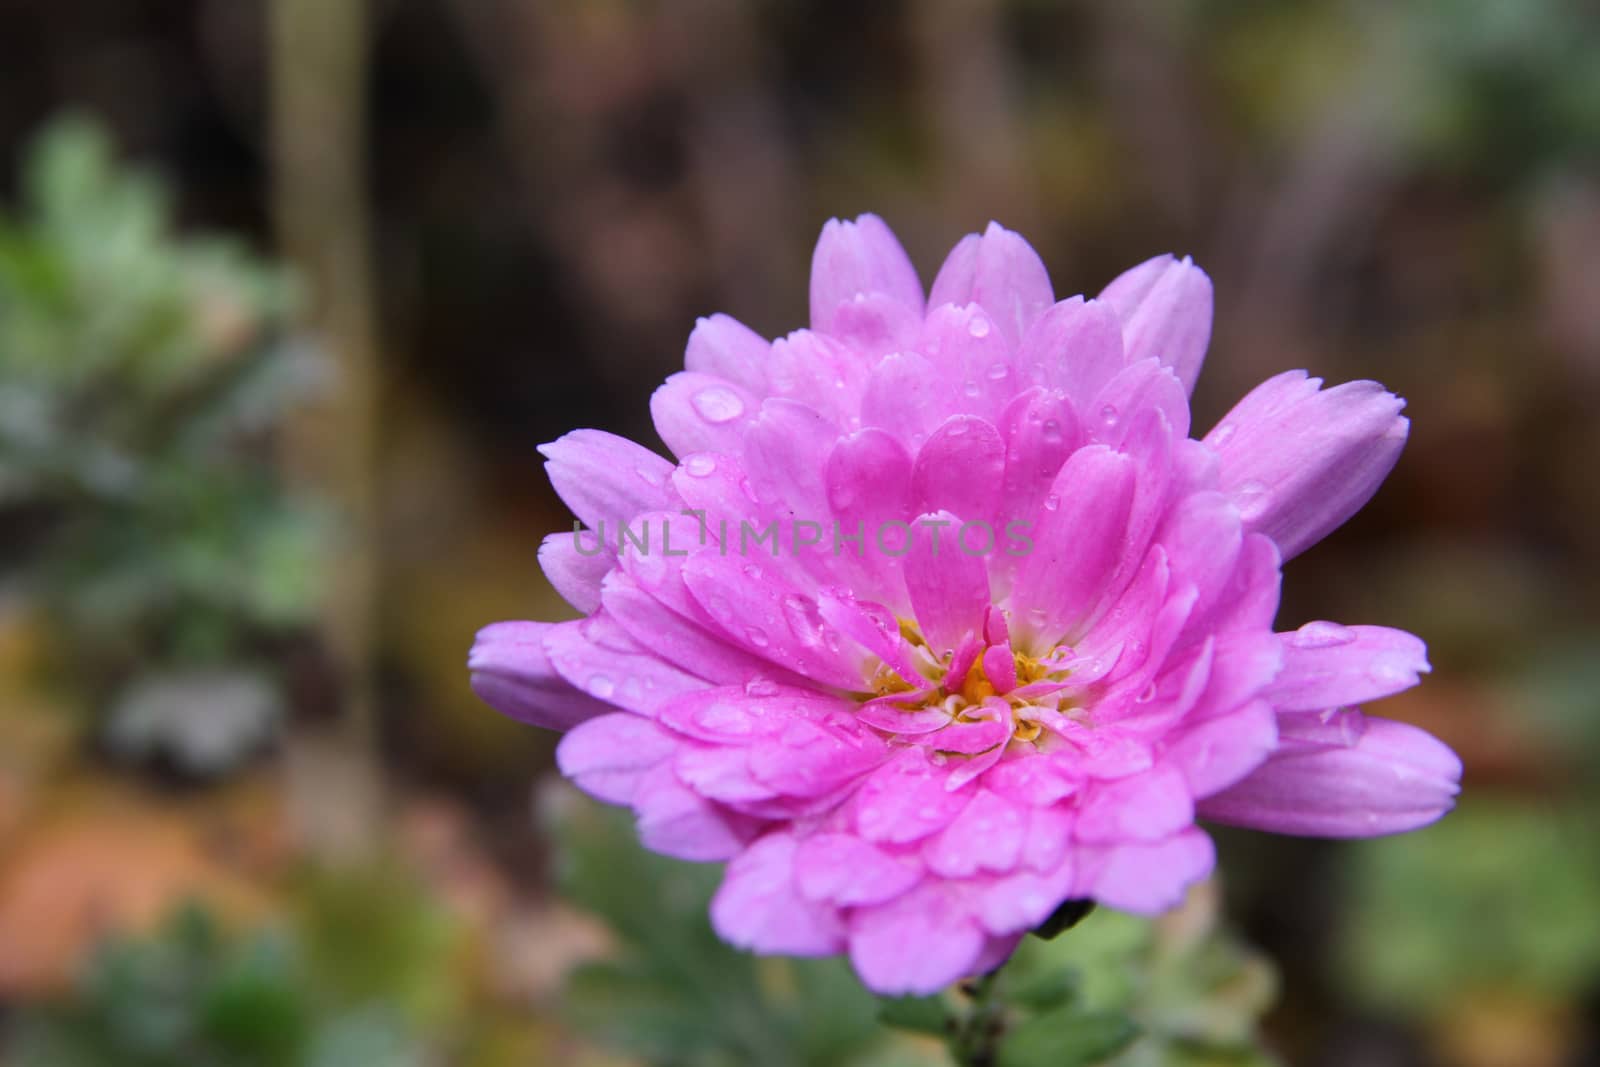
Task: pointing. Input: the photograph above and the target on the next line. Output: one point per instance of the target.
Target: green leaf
(926, 1015)
(1064, 1037)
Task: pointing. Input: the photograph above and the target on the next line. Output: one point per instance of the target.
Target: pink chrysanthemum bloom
(941, 618)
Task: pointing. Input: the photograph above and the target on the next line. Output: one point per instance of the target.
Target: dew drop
(757, 636)
(938, 759)
(1052, 502)
(602, 686)
(1252, 498)
(979, 326)
(700, 466)
(972, 389)
(1052, 430)
(1108, 415)
(999, 372)
(1147, 696)
(761, 687)
(1223, 434)
(1321, 635)
(718, 403)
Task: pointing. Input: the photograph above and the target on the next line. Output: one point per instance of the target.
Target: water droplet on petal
(1052, 430)
(999, 372)
(972, 389)
(757, 636)
(1223, 434)
(1148, 695)
(718, 403)
(1052, 502)
(1321, 635)
(602, 686)
(761, 687)
(700, 466)
(1253, 499)
(979, 326)
(1108, 415)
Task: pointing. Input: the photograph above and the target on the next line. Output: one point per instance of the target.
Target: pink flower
(942, 618)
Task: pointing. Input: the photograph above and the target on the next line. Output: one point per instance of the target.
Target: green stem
(977, 1038)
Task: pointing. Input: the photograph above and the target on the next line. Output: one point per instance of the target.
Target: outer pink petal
(700, 413)
(1386, 778)
(1165, 305)
(859, 257)
(727, 348)
(1300, 462)
(598, 656)
(759, 907)
(676, 821)
(606, 478)
(576, 573)
(987, 836)
(907, 396)
(999, 271)
(843, 869)
(968, 351)
(906, 800)
(1142, 807)
(1149, 878)
(607, 756)
(512, 673)
(917, 943)
(1216, 753)
(1137, 387)
(1326, 665)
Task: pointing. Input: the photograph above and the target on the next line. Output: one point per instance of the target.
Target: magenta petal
(999, 271)
(575, 563)
(758, 906)
(606, 479)
(987, 836)
(607, 756)
(1216, 753)
(700, 413)
(1148, 878)
(1388, 778)
(843, 869)
(599, 657)
(906, 800)
(1075, 347)
(917, 943)
(1300, 462)
(967, 350)
(676, 821)
(724, 347)
(512, 673)
(1076, 545)
(1141, 807)
(1165, 305)
(1142, 386)
(949, 587)
(960, 470)
(858, 258)
(1326, 665)
(906, 395)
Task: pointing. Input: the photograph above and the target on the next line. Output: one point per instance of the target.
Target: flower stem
(977, 1039)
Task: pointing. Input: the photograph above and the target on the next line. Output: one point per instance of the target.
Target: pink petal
(1142, 807)
(968, 350)
(1165, 306)
(576, 572)
(598, 656)
(819, 371)
(726, 348)
(906, 800)
(701, 413)
(676, 821)
(1076, 546)
(1300, 462)
(907, 395)
(1388, 777)
(607, 756)
(1149, 878)
(1216, 753)
(513, 674)
(843, 869)
(680, 641)
(949, 587)
(759, 908)
(606, 478)
(868, 481)
(813, 758)
(917, 943)
(1326, 665)
(859, 257)
(1142, 386)
(1075, 347)
(960, 469)
(987, 835)
(999, 271)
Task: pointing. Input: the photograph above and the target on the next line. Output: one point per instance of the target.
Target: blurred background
(290, 291)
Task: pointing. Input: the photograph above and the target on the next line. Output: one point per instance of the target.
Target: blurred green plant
(1499, 897)
(194, 997)
(141, 378)
(1115, 989)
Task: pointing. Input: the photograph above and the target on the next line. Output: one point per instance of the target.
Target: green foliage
(141, 377)
(1499, 896)
(676, 994)
(193, 997)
